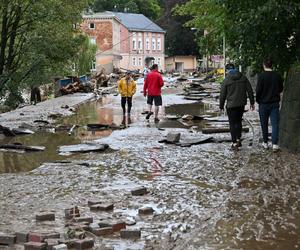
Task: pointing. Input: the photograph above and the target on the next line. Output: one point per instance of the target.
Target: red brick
(40, 237)
(72, 212)
(35, 246)
(93, 202)
(83, 244)
(103, 231)
(102, 207)
(139, 191)
(130, 233)
(22, 237)
(117, 226)
(51, 243)
(146, 211)
(7, 239)
(45, 217)
(84, 219)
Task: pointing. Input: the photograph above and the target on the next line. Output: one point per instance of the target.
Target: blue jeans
(266, 111)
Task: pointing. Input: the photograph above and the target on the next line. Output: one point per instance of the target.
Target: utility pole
(224, 55)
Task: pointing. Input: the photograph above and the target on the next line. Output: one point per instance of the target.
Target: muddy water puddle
(106, 111)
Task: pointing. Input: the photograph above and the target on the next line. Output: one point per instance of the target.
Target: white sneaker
(275, 148)
(265, 145)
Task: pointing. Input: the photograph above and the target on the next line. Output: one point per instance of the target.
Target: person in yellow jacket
(127, 88)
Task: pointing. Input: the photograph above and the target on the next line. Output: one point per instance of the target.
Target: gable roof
(137, 22)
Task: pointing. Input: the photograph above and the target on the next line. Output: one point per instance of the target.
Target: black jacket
(269, 86)
(235, 89)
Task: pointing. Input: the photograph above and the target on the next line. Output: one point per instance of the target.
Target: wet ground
(204, 196)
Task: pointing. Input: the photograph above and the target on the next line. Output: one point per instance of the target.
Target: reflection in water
(17, 162)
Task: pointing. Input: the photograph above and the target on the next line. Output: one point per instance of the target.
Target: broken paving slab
(220, 130)
(195, 141)
(83, 148)
(22, 147)
(173, 137)
(217, 119)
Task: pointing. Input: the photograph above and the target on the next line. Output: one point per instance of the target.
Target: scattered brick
(72, 212)
(69, 242)
(22, 237)
(130, 233)
(102, 207)
(45, 217)
(7, 239)
(79, 226)
(60, 247)
(139, 191)
(83, 244)
(103, 231)
(51, 243)
(41, 237)
(146, 211)
(35, 246)
(79, 235)
(93, 202)
(84, 219)
(118, 225)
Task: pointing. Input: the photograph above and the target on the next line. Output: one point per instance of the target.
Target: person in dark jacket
(268, 89)
(235, 89)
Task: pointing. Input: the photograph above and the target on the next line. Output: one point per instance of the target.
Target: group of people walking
(152, 90)
(235, 90)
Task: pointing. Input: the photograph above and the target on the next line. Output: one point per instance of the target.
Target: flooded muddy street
(203, 196)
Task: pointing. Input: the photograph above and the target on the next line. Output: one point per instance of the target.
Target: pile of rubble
(80, 232)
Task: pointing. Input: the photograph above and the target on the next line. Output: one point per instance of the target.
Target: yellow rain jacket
(127, 89)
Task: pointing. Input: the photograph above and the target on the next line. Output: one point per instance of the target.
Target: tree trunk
(290, 112)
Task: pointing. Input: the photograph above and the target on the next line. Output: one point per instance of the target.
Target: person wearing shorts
(152, 89)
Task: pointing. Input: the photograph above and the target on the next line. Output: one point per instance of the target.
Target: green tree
(37, 41)
(180, 39)
(253, 29)
(84, 56)
(149, 8)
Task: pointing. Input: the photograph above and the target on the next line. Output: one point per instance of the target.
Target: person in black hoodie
(235, 89)
(268, 89)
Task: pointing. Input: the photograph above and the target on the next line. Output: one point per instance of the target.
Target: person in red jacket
(152, 89)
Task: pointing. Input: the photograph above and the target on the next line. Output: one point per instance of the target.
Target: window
(147, 44)
(133, 61)
(140, 43)
(134, 43)
(92, 26)
(153, 44)
(93, 40)
(158, 44)
(158, 61)
(140, 61)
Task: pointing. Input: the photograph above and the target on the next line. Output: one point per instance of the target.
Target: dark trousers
(129, 104)
(269, 111)
(235, 116)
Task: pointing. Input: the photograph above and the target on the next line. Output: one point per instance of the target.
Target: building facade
(124, 40)
(181, 64)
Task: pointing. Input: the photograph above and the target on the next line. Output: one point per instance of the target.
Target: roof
(132, 21)
(138, 22)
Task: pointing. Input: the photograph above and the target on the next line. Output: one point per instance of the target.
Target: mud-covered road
(204, 196)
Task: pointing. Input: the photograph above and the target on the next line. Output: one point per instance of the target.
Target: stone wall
(290, 112)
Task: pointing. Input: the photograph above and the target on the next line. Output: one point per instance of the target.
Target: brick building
(124, 40)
